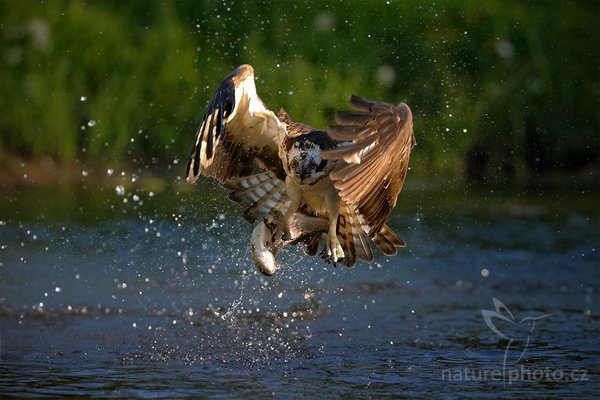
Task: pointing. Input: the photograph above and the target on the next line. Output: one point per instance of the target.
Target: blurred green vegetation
(501, 91)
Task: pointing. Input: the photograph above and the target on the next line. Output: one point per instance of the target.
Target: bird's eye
(312, 165)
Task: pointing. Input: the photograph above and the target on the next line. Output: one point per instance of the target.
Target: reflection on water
(134, 293)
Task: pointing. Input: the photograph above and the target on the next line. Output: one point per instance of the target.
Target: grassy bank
(501, 92)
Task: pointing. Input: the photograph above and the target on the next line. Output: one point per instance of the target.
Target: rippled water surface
(131, 293)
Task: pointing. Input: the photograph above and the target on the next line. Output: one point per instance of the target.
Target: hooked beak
(303, 173)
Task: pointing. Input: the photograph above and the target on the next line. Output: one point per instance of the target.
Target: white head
(304, 162)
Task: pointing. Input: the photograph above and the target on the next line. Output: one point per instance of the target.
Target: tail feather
(353, 237)
(387, 240)
(363, 248)
(345, 235)
(264, 191)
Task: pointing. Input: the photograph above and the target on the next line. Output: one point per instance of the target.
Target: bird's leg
(333, 247)
(295, 195)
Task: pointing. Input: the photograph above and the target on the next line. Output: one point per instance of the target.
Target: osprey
(305, 182)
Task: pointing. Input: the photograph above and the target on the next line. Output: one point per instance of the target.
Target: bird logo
(522, 329)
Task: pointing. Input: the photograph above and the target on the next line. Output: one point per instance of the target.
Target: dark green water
(157, 297)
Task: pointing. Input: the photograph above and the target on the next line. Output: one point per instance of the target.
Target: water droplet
(83, 98)
(91, 123)
(120, 190)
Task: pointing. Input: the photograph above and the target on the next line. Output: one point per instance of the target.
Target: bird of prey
(343, 181)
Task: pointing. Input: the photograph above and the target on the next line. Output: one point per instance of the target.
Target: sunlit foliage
(500, 90)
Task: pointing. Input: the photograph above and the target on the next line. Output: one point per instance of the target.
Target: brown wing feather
(363, 248)
(263, 191)
(293, 128)
(345, 235)
(374, 165)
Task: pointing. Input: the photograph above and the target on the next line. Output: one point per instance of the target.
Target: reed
(500, 91)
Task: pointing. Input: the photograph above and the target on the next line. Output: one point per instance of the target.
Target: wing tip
(241, 72)
(404, 111)
(362, 103)
(190, 176)
(191, 179)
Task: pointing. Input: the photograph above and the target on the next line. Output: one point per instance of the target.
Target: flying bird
(349, 175)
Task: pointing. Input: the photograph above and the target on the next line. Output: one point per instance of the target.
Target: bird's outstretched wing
(376, 144)
(236, 132)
